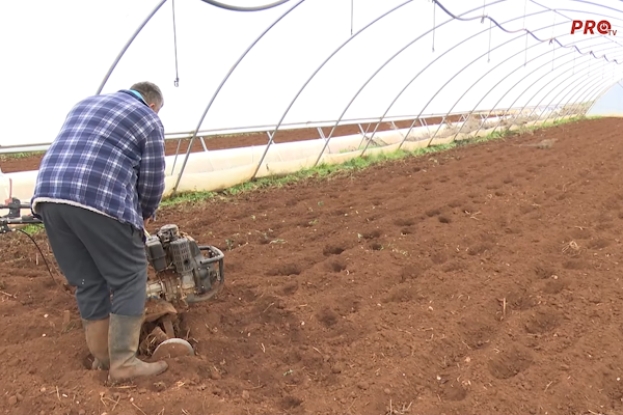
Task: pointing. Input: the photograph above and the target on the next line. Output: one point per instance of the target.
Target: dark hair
(150, 92)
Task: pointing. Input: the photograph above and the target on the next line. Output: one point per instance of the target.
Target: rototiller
(185, 272)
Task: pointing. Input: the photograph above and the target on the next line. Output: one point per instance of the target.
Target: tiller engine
(183, 272)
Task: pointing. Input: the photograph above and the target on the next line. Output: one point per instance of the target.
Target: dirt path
(485, 280)
(12, 164)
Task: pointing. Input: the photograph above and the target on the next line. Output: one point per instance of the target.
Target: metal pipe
(520, 95)
(231, 70)
(571, 108)
(519, 112)
(501, 118)
(461, 128)
(588, 90)
(18, 148)
(590, 86)
(177, 72)
(127, 45)
(506, 94)
(587, 98)
(602, 93)
(244, 9)
(607, 38)
(564, 80)
(595, 96)
(502, 80)
(411, 127)
(580, 71)
(508, 91)
(580, 81)
(576, 84)
(499, 25)
(450, 80)
(532, 112)
(339, 48)
(501, 97)
(590, 95)
(583, 2)
(572, 91)
(393, 57)
(556, 10)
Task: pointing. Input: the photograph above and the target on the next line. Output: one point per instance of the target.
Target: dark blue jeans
(103, 258)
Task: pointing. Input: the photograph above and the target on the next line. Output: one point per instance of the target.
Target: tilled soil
(482, 280)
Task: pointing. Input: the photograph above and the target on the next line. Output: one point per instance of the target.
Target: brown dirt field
(11, 164)
(484, 280)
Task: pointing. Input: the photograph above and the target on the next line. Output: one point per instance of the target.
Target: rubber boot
(123, 338)
(96, 334)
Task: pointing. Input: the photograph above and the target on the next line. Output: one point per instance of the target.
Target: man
(99, 183)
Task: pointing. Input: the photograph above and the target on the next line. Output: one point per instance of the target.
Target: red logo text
(589, 26)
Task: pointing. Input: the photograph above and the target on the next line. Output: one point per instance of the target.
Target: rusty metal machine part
(164, 335)
(185, 271)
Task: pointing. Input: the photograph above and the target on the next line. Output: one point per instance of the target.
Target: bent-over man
(99, 183)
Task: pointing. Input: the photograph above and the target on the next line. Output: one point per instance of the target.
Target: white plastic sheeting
(42, 76)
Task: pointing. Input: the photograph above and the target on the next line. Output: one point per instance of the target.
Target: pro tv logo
(602, 27)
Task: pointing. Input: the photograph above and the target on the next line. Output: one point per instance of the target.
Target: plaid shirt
(108, 157)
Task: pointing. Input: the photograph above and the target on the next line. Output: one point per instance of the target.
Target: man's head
(151, 93)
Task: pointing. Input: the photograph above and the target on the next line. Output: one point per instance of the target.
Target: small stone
(42, 413)
(13, 400)
(387, 391)
(66, 320)
(245, 395)
(19, 397)
(82, 412)
(215, 374)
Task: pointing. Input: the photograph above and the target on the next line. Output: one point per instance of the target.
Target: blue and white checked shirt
(108, 157)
